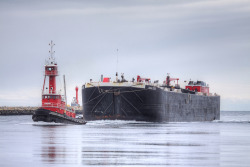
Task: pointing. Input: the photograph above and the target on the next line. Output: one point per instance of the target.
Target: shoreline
(17, 110)
(22, 111)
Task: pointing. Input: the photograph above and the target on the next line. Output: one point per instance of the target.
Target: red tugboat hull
(45, 115)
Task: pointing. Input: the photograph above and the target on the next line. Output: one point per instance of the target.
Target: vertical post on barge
(117, 67)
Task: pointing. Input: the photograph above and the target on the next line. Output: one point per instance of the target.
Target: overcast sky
(200, 40)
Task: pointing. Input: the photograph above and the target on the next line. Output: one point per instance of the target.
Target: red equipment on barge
(198, 86)
(54, 105)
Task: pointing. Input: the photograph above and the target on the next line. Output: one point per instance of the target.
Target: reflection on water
(126, 143)
(51, 153)
(56, 145)
(144, 144)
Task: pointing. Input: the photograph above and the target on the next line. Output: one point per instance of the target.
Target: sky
(205, 40)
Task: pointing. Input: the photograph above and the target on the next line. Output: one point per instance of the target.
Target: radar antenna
(52, 58)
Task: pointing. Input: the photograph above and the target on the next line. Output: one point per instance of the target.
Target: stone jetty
(23, 110)
(17, 110)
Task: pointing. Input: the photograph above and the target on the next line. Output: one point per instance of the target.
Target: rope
(129, 91)
(113, 90)
(93, 99)
(103, 92)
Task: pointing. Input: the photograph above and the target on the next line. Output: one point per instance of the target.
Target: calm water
(126, 143)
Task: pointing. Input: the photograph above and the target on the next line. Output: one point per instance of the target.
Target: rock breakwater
(17, 110)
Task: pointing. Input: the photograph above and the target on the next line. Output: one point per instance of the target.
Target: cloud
(21, 97)
(206, 40)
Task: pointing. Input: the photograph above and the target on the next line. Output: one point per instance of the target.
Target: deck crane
(168, 80)
(139, 79)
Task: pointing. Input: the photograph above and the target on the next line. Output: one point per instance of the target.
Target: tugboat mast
(51, 58)
(51, 71)
(65, 90)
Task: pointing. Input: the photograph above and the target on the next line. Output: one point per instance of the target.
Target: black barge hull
(148, 104)
(50, 116)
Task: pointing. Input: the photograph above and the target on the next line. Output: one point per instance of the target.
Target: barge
(144, 100)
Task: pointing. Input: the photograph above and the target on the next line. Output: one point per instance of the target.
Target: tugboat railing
(51, 73)
(57, 106)
(49, 92)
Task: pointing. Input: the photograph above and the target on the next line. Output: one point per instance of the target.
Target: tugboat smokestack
(77, 95)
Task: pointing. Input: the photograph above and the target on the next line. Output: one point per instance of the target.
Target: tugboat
(54, 105)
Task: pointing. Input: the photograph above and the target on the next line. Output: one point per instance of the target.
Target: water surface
(126, 143)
